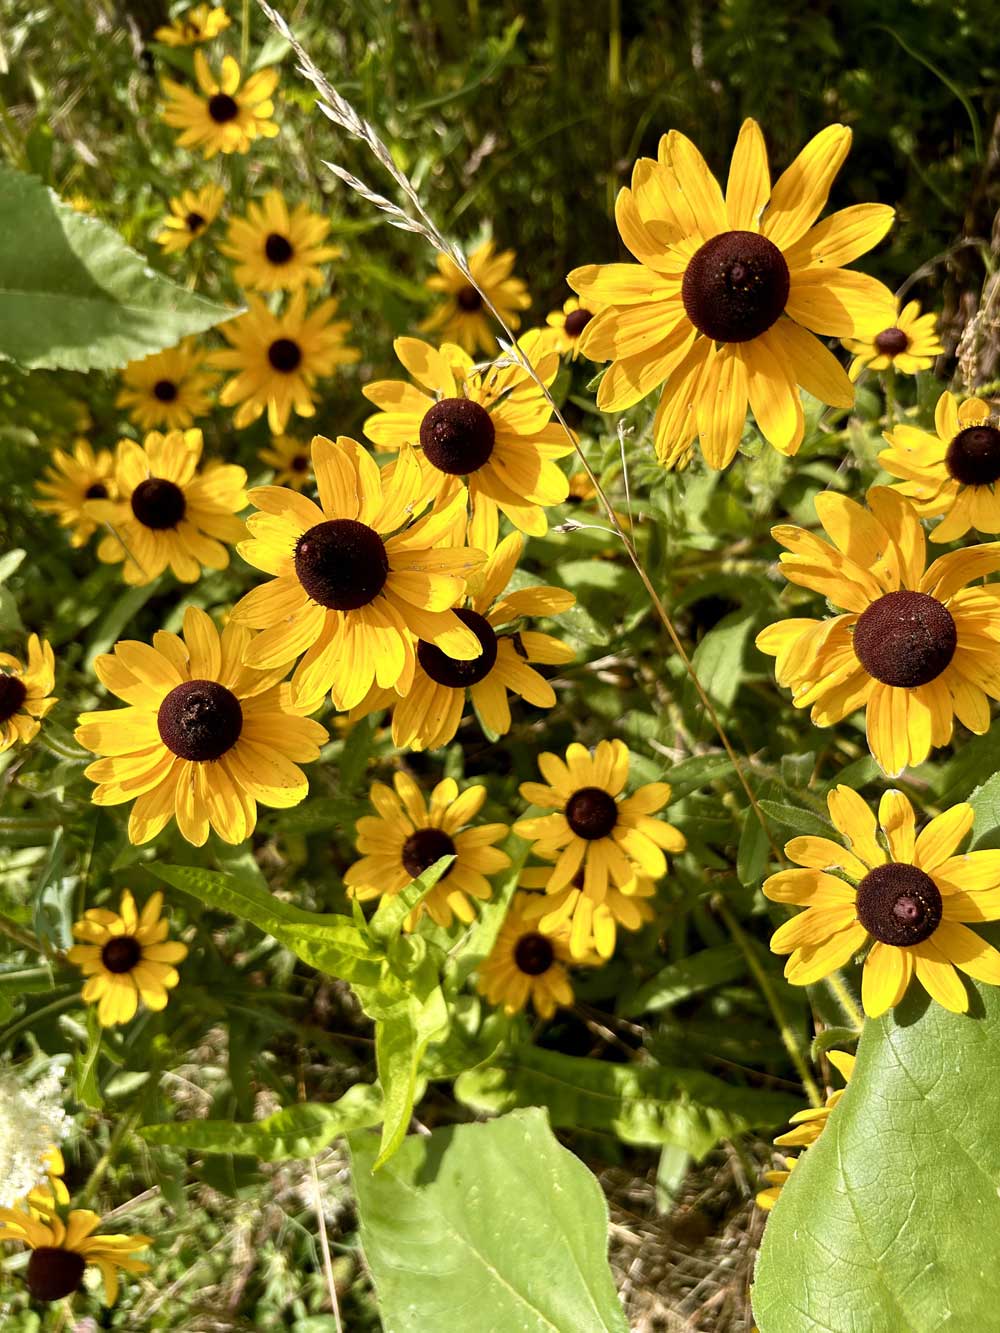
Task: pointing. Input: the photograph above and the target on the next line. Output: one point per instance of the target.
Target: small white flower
(32, 1121)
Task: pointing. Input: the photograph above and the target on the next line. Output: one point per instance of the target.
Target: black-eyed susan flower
(428, 716)
(25, 692)
(192, 212)
(527, 964)
(357, 580)
(198, 24)
(809, 1125)
(565, 327)
(169, 389)
(489, 426)
(277, 249)
(727, 294)
(914, 648)
(908, 345)
(910, 902)
(628, 907)
(61, 1251)
(70, 481)
(54, 1187)
(225, 118)
(203, 739)
(167, 511)
(462, 317)
(278, 359)
(290, 460)
(126, 957)
(952, 474)
(409, 835)
(609, 840)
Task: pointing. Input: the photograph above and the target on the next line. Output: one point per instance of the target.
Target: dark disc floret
(342, 564)
(591, 813)
(299, 463)
(200, 720)
(54, 1273)
(905, 639)
(735, 287)
(278, 248)
(457, 436)
(576, 321)
(425, 847)
(165, 391)
(449, 671)
(194, 222)
(973, 456)
(121, 953)
(285, 355)
(158, 504)
(534, 954)
(899, 904)
(13, 693)
(223, 108)
(891, 342)
(96, 491)
(468, 299)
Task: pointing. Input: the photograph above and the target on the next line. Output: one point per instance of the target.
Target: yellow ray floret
(25, 692)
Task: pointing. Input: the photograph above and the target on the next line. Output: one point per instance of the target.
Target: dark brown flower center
(96, 491)
(905, 639)
(890, 342)
(121, 953)
(13, 693)
(449, 671)
(577, 321)
(469, 299)
(299, 463)
(534, 954)
(342, 564)
(899, 904)
(973, 457)
(457, 436)
(53, 1273)
(425, 847)
(165, 391)
(735, 287)
(194, 222)
(278, 248)
(285, 355)
(223, 108)
(158, 504)
(591, 813)
(200, 720)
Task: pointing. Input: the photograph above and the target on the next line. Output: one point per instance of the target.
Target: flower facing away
(728, 293)
(70, 481)
(126, 957)
(169, 513)
(908, 345)
(410, 834)
(914, 648)
(32, 1120)
(565, 327)
(610, 840)
(809, 1125)
(277, 250)
(909, 902)
(953, 473)
(169, 389)
(428, 716)
(490, 426)
(527, 963)
(26, 692)
(225, 118)
(629, 907)
(290, 460)
(203, 739)
(61, 1251)
(357, 582)
(200, 23)
(278, 358)
(462, 317)
(192, 212)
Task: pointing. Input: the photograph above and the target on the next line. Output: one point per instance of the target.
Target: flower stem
(846, 1001)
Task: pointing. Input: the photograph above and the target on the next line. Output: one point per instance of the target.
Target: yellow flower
(491, 426)
(608, 839)
(628, 907)
(278, 359)
(276, 250)
(462, 317)
(61, 1251)
(428, 716)
(910, 902)
(913, 648)
(200, 23)
(169, 389)
(776, 1180)
(953, 473)
(909, 345)
(126, 958)
(70, 481)
(357, 580)
(810, 1123)
(192, 212)
(409, 835)
(290, 460)
(42, 1199)
(169, 513)
(203, 738)
(566, 326)
(728, 293)
(527, 963)
(25, 692)
(226, 118)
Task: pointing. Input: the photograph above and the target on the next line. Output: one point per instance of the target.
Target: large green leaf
(486, 1228)
(73, 296)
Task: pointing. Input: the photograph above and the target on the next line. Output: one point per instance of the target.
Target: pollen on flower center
(342, 564)
(449, 671)
(194, 222)
(423, 848)
(735, 287)
(891, 342)
(973, 456)
(285, 355)
(121, 953)
(457, 436)
(905, 639)
(54, 1273)
(165, 391)
(534, 954)
(223, 108)
(899, 904)
(577, 321)
(98, 491)
(13, 693)
(278, 248)
(469, 299)
(158, 504)
(200, 720)
(591, 813)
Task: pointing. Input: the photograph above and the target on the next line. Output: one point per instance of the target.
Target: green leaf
(73, 296)
(718, 658)
(486, 1227)
(688, 976)
(793, 819)
(394, 908)
(985, 801)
